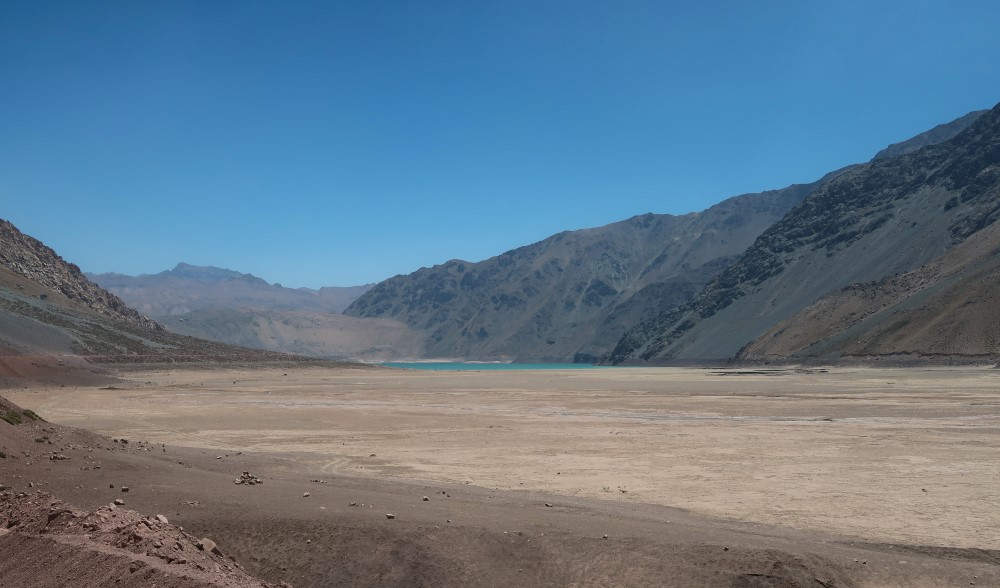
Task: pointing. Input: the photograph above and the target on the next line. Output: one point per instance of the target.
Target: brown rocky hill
(572, 295)
(46, 273)
(888, 217)
(48, 308)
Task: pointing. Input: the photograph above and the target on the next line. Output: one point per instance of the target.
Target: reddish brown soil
(461, 536)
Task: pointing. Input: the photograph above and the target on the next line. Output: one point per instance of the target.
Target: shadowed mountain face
(573, 294)
(938, 134)
(881, 222)
(947, 309)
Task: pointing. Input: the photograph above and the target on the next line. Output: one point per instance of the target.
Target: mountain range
(892, 258)
(572, 295)
(579, 294)
(895, 258)
(242, 309)
(187, 288)
(49, 309)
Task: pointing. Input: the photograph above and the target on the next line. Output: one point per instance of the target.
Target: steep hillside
(46, 274)
(48, 308)
(938, 134)
(188, 288)
(946, 309)
(573, 294)
(887, 217)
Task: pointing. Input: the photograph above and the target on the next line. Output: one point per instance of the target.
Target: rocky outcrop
(884, 218)
(47, 542)
(30, 258)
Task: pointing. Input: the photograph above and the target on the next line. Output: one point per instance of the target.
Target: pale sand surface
(903, 456)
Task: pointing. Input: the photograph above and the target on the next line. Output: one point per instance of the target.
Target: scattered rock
(248, 479)
(548, 505)
(162, 519)
(389, 515)
(119, 502)
(306, 495)
(425, 499)
(206, 544)
(124, 488)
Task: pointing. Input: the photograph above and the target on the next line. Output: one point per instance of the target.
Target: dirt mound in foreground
(47, 542)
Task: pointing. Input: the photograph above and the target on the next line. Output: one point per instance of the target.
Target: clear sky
(339, 143)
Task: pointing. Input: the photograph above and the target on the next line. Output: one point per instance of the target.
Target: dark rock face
(30, 258)
(938, 134)
(889, 216)
(576, 294)
(572, 295)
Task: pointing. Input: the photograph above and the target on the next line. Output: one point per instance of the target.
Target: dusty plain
(906, 456)
(680, 464)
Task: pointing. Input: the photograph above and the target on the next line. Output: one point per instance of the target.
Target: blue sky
(339, 143)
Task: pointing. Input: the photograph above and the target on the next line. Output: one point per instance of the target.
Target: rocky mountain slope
(948, 309)
(573, 294)
(48, 307)
(888, 217)
(241, 309)
(938, 134)
(187, 288)
(46, 274)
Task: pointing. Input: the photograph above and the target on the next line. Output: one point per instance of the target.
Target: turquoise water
(466, 366)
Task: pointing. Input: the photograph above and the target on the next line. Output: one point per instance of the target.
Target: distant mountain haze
(188, 287)
(48, 307)
(873, 262)
(241, 309)
(574, 295)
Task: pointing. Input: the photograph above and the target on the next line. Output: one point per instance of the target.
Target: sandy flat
(900, 456)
